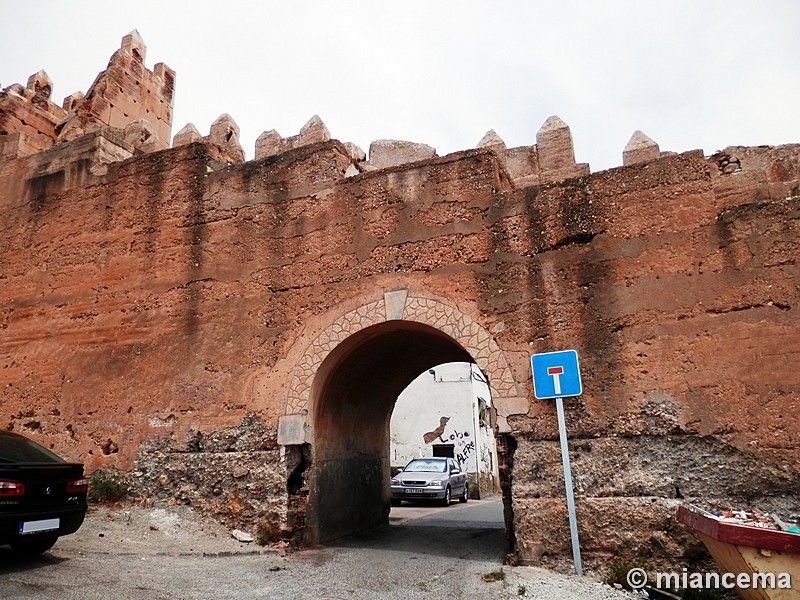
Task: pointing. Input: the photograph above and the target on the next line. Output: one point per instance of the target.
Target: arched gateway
(342, 393)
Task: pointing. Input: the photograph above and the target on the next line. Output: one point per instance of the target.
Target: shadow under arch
(352, 399)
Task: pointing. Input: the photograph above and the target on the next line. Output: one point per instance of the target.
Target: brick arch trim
(398, 305)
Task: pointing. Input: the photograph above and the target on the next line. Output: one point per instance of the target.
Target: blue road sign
(556, 374)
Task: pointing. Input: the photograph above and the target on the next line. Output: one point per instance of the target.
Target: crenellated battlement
(28, 118)
(137, 103)
(125, 96)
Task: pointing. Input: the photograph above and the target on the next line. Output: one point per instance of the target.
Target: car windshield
(426, 466)
(14, 449)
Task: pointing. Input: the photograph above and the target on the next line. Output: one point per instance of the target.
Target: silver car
(434, 478)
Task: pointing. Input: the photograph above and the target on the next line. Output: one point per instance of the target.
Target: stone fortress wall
(164, 311)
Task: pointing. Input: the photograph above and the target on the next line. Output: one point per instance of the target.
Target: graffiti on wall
(457, 438)
(436, 433)
(453, 437)
(462, 456)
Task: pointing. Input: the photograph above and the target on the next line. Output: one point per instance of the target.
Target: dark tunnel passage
(353, 396)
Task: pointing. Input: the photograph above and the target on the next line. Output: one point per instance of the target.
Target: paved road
(424, 553)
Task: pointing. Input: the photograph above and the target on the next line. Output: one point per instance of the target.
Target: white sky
(688, 73)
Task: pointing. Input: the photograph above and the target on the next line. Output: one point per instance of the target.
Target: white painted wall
(442, 406)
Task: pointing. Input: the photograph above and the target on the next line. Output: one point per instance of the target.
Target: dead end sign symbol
(556, 374)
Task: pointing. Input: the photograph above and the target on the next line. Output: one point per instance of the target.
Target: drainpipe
(477, 430)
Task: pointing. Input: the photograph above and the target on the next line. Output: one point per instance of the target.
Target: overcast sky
(689, 74)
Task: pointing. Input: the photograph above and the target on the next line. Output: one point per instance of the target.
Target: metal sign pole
(555, 375)
(573, 522)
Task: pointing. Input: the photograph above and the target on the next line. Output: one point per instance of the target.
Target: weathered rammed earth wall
(157, 306)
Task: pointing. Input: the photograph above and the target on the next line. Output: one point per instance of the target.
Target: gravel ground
(540, 583)
(171, 552)
(161, 530)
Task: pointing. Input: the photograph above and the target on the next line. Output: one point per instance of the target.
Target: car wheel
(396, 502)
(465, 496)
(446, 499)
(30, 547)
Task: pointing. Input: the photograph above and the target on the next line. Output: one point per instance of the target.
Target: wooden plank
(743, 535)
(730, 560)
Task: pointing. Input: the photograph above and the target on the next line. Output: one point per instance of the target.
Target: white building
(447, 411)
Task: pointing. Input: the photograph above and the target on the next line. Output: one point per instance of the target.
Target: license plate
(37, 526)
(414, 491)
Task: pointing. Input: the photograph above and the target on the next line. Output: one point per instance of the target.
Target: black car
(42, 497)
